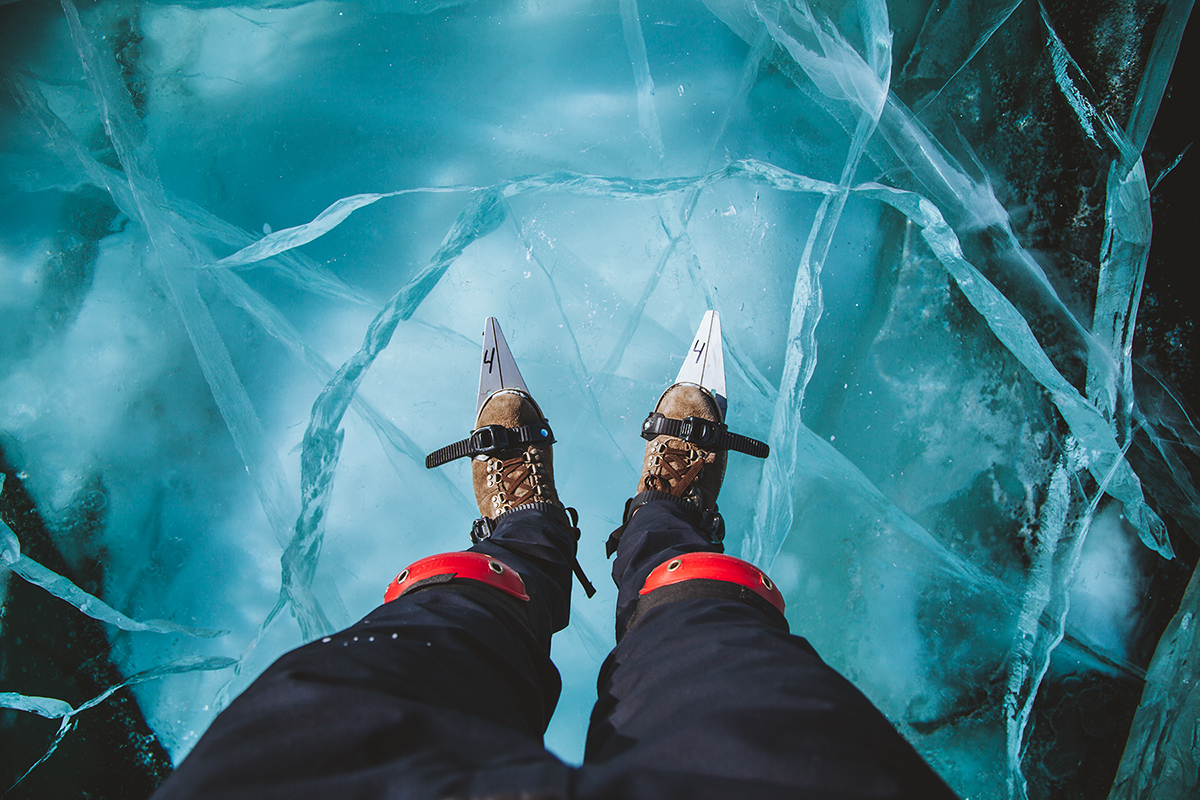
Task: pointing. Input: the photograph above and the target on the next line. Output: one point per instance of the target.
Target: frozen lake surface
(245, 257)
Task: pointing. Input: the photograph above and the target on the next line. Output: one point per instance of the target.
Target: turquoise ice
(246, 254)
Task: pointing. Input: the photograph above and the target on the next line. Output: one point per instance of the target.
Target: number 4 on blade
(704, 364)
(498, 370)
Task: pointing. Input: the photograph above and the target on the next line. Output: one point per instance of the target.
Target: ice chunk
(1160, 757)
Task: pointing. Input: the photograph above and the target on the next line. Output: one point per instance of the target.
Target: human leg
(443, 692)
(446, 690)
(711, 696)
(707, 694)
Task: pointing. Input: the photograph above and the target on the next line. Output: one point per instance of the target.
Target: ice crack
(52, 708)
(12, 558)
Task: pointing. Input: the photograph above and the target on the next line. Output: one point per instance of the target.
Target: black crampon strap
(588, 589)
(490, 440)
(710, 522)
(483, 528)
(703, 433)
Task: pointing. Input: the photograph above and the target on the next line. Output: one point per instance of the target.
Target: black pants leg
(444, 692)
(714, 698)
(447, 691)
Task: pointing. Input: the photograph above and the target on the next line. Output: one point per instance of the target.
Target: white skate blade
(498, 369)
(704, 364)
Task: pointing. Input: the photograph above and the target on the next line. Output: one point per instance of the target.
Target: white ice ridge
(635, 43)
(842, 74)
(1062, 532)
(1123, 263)
(988, 17)
(300, 270)
(1068, 76)
(1126, 247)
(281, 241)
(180, 258)
(485, 213)
(13, 559)
(323, 437)
(53, 708)
(322, 443)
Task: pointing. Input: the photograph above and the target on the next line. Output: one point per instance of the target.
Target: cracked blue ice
(596, 175)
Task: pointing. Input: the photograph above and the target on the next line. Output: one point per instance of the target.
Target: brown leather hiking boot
(685, 458)
(515, 476)
(681, 468)
(689, 440)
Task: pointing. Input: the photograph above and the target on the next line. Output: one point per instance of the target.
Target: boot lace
(517, 480)
(674, 465)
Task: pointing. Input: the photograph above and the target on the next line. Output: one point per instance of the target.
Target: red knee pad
(448, 566)
(714, 567)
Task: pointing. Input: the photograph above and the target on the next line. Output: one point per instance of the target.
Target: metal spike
(704, 364)
(498, 370)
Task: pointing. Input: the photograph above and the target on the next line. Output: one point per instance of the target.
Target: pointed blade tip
(498, 369)
(702, 361)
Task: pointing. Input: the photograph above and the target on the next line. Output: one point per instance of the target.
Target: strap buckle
(491, 440)
(700, 431)
(694, 430)
(713, 525)
(710, 522)
(488, 440)
(481, 529)
(703, 433)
